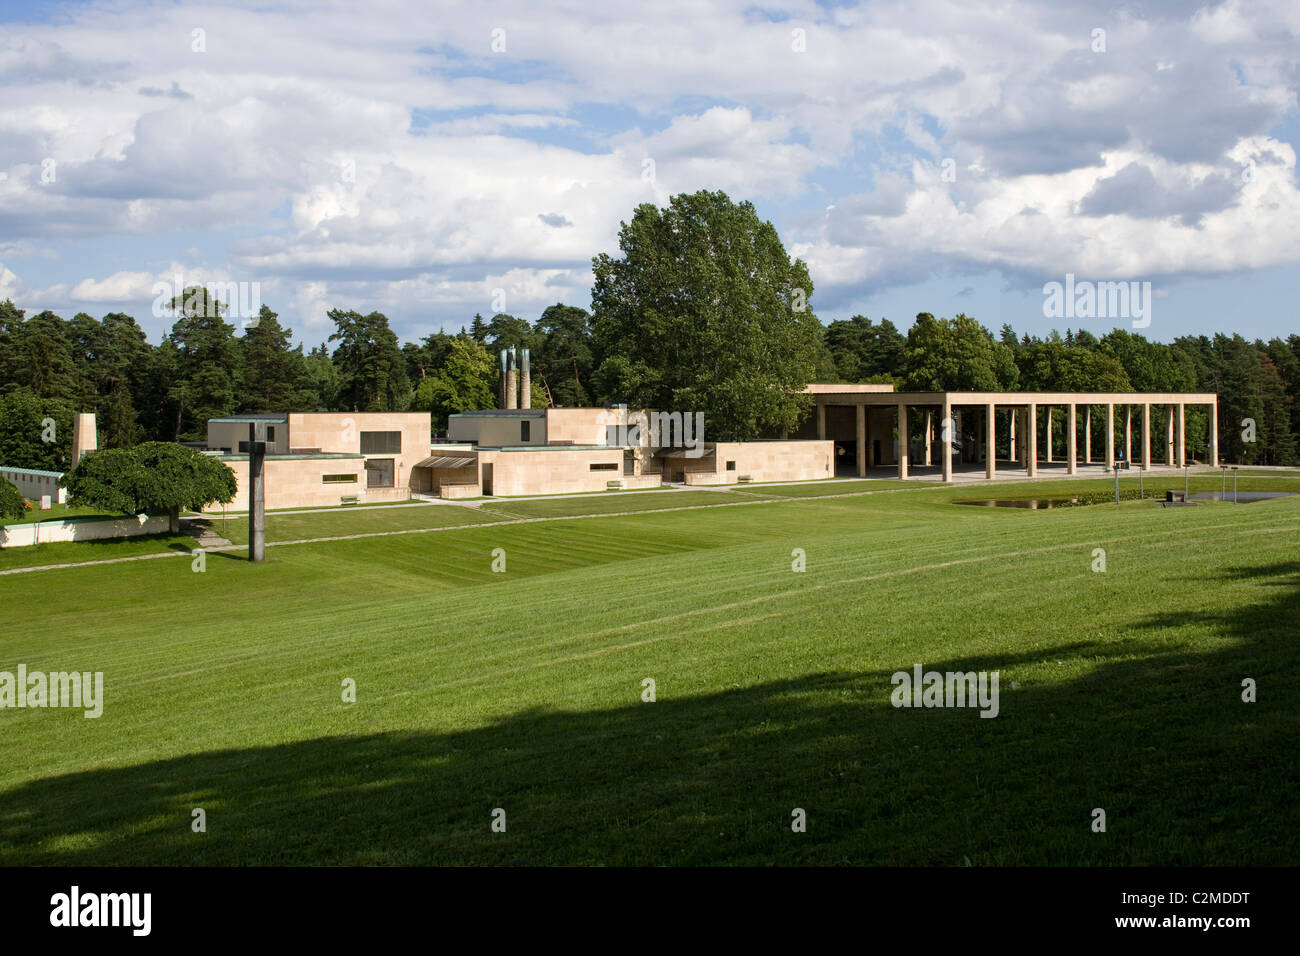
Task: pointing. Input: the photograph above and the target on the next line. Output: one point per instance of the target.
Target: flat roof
(817, 388)
(32, 471)
(447, 461)
(268, 417)
(1016, 398)
(502, 413)
(244, 457)
(617, 448)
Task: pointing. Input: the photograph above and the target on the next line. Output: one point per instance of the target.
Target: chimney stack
(512, 386)
(501, 379)
(84, 439)
(525, 381)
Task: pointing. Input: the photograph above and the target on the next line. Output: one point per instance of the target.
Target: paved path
(754, 494)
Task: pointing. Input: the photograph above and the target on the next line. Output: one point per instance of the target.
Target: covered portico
(915, 434)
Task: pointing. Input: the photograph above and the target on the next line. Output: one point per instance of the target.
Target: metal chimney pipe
(501, 379)
(512, 386)
(525, 381)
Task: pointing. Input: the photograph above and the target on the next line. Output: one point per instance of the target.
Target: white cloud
(391, 159)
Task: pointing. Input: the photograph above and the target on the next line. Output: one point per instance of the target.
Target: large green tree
(370, 363)
(1057, 367)
(12, 503)
(564, 360)
(956, 354)
(706, 312)
(464, 383)
(149, 478)
(35, 432)
(864, 351)
(40, 358)
(275, 373)
(209, 364)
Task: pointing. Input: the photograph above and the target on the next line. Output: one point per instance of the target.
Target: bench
(613, 485)
(745, 479)
(349, 499)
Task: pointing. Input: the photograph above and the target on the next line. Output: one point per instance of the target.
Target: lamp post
(1141, 492)
(1234, 484)
(1223, 485)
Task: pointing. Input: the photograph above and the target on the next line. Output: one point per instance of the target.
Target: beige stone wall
(453, 477)
(460, 491)
(553, 471)
(80, 529)
(296, 483)
(762, 461)
(230, 434)
(497, 431)
(692, 470)
(340, 432)
(581, 426)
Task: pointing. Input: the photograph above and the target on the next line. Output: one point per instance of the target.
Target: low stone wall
(459, 491)
(92, 528)
(761, 461)
(641, 481)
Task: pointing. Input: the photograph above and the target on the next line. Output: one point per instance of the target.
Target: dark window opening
(381, 443)
(379, 473)
(525, 431)
(604, 466)
(731, 466)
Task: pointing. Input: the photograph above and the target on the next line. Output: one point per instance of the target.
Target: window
(270, 433)
(604, 466)
(337, 479)
(243, 448)
(525, 431)
(731, 466)
(379, 473)
(381, 443)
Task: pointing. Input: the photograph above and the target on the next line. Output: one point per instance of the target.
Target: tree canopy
(12, 503)
(705, 312)
(956, 354)
(149, 478)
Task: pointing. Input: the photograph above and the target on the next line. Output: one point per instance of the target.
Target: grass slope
(522, 690)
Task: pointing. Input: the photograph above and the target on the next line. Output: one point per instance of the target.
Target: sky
(433, 160)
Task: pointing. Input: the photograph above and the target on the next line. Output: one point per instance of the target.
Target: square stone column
(1146, 435)
(1214, 434)
(1087, 435)
(929, 435)
(1182, 435)
(1128, 433)
(1110, 435)
(821, 422)
(862, 441)
(1072, 445)
(1169, 435)
(1048, 435)
(946, 426)
(1031, 436)
(990, 441)
(902, 441)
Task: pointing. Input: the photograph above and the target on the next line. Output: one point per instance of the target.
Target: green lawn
(320, 524)
(522, 690)
(57, 512)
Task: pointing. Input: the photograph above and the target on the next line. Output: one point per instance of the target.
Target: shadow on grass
(1188, 774)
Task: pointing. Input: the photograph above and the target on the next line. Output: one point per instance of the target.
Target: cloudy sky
(436, 159)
